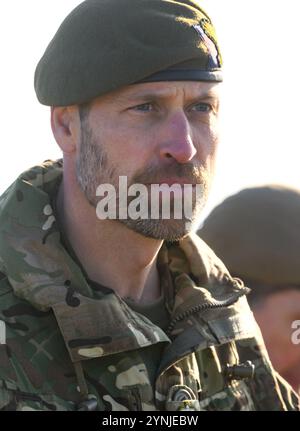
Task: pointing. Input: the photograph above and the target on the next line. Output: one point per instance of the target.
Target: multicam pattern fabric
(64, 343)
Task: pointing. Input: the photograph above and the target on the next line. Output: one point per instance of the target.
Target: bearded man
(126, 313)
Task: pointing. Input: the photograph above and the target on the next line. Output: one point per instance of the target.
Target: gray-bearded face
(93, 168)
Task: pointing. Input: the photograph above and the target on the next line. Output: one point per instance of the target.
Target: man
(126, 313)
(257, 234)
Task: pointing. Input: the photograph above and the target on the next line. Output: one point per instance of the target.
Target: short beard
(93, 169)
(168, 230)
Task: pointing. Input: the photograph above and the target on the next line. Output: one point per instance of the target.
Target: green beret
(257, 234)
(105, 44)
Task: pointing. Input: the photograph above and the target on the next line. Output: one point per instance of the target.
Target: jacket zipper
(205, 306)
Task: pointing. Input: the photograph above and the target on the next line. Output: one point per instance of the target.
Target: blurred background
(259, 118)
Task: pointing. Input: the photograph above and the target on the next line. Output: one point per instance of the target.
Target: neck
(110, 253)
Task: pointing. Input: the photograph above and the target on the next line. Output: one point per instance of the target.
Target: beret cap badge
(208, 37)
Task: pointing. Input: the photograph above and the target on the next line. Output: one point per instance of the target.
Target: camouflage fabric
(63, 344)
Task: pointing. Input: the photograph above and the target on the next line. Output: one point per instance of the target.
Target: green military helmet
(257, 234)
(106, 44)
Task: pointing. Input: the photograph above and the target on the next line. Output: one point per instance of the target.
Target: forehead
(164, 90)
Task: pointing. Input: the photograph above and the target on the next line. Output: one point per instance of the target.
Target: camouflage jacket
(66, 346)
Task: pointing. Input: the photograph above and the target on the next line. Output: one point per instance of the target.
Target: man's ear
(65, 124)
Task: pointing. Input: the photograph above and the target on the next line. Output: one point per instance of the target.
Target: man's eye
(202, 107)
(145, 107)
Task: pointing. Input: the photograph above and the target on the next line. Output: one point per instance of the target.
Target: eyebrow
(165, 94)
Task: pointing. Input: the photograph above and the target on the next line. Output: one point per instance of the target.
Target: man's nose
(176, 139)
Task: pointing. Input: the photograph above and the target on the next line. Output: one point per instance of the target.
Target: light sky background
(260, 116)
